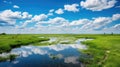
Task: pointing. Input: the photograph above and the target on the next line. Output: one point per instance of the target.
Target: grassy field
(7, 42)
(103, 49)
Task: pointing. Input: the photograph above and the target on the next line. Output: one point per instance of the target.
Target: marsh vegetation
(102, 51)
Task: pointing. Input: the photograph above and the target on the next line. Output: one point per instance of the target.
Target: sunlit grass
(7, 42)
(103, 50)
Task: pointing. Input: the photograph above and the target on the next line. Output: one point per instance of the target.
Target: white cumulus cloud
(72, 7)
(26, 15)
(38, 18)
(59, 11)
(9, 17)
(57, 20)
(97, 23)
(52, 10)
(79, 22)
(116, 17)
(97, 5)
(15, 6)
(117, 26)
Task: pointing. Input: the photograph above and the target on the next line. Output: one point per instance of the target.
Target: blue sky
(59, 16)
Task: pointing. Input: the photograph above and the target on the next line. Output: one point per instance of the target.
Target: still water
(59, 55)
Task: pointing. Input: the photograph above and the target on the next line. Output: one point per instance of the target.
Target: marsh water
(59, 55)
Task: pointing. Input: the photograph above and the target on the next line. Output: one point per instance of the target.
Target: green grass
(7, 42)
(10, 41)
(104, 50)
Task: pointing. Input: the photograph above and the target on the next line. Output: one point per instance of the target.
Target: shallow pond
(60, 55)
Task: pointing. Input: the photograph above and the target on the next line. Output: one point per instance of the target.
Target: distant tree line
(2, 33)
(110, 33)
